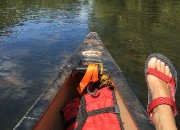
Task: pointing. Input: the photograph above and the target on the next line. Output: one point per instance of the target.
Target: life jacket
(98, 112)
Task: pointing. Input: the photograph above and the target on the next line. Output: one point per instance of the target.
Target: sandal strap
(159, 101)
(169, 80)
(161, 75)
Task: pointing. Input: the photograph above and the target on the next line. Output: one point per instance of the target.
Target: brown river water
(38, 36)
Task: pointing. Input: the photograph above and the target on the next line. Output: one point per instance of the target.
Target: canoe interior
(52, 118)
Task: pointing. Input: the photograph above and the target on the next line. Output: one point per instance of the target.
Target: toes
(170, 75)
(158, 65)
(152, 63)
(162, 67)
(167, 71)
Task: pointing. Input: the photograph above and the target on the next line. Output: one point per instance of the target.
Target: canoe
(44, 113)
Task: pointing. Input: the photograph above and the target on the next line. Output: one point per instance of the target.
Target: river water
(38, 36)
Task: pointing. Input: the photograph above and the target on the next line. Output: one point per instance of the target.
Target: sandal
(172, 82)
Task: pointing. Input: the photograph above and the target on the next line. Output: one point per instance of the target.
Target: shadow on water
(38, 36)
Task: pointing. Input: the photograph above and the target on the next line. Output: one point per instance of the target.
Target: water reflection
(131, 30)
(37, 36)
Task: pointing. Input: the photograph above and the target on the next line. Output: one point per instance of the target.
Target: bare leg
(163, 117)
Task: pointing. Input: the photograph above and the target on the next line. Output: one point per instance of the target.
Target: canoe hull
(44, 114)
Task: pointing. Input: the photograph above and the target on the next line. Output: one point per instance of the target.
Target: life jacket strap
(83, 114)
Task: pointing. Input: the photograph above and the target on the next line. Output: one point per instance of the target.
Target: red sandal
(172, 82)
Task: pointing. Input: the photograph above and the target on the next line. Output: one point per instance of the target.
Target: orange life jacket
(99, 112)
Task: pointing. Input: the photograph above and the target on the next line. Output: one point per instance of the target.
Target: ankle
(161, 114)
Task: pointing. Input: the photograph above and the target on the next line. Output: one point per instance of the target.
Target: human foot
(158, 87)
(161, 94)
